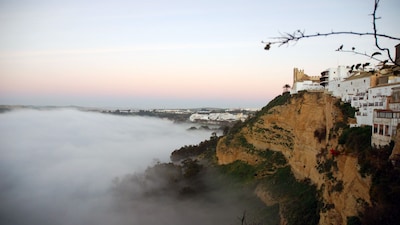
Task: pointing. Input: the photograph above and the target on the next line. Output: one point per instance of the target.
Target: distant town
(206, 116)
(209, 116)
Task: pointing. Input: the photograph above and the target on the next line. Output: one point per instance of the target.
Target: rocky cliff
(305, 128)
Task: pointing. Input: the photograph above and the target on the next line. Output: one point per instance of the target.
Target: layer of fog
(58, 167)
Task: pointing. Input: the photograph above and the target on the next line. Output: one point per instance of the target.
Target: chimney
(397, 59)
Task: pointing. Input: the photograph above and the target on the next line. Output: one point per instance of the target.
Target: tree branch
(297, 35)
(374, 19)
(361, 53)
(287, 38)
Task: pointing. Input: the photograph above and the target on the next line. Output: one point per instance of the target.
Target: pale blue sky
(163, 54)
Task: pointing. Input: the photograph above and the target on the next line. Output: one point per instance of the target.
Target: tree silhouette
(286, 88)
(287, 38)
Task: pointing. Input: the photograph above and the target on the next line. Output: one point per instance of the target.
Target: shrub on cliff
(298, 199)
(347, 110)
(356, 139)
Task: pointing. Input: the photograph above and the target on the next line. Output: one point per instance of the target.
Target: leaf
(375, 53)
(268, 46)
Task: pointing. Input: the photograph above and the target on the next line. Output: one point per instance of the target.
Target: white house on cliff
(374, 92)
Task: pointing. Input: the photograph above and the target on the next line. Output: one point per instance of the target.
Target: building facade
(303, 82)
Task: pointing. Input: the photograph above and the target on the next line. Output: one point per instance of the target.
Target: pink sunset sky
(172, 54)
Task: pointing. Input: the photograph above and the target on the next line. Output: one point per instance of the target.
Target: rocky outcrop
(306, 131)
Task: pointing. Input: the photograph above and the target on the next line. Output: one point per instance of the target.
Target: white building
(303, 82)
(355, 89)
(217, 117)
(385, 121)
(331, 79)
(384, 127)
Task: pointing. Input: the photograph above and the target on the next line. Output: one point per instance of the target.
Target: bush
(300, 204)
(347, 110)
(353, 220)
(239, 170)
(356, 139)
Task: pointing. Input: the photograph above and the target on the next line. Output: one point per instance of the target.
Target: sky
(173, 54)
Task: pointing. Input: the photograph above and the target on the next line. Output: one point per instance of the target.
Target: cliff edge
(305, 128)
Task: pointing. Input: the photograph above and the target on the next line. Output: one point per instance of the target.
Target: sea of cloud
(58, 167)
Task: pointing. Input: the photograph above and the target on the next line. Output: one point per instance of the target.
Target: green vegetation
(299, 201)
(326, 165)
(191, 168)
(205, 148)
(353, 220)
(273, 157)
(244, 172)
(229, 136)
(338, 187)
(244, 143)
(278, 100)
(239, 170)
(347, 110)
(385, 190)
(356, 139)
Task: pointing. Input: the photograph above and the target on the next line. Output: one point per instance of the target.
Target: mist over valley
(65, 166)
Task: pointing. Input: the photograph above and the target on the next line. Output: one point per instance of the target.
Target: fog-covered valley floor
(60, 166)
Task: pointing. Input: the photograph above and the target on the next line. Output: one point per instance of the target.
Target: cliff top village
(373, 91)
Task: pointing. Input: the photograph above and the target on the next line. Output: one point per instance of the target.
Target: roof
(360, 75)
(386, 85)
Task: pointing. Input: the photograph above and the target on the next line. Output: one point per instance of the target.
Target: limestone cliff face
(304, 130)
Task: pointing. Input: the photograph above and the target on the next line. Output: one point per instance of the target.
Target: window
(384, 115)
(338, 85)
(375, 128)
(387, 130)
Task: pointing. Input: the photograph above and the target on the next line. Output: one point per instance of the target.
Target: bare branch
(372, 56)
(294, 37)
(374, 18)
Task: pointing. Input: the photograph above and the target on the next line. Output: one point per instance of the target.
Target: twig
(287, 38)
(360, 53)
